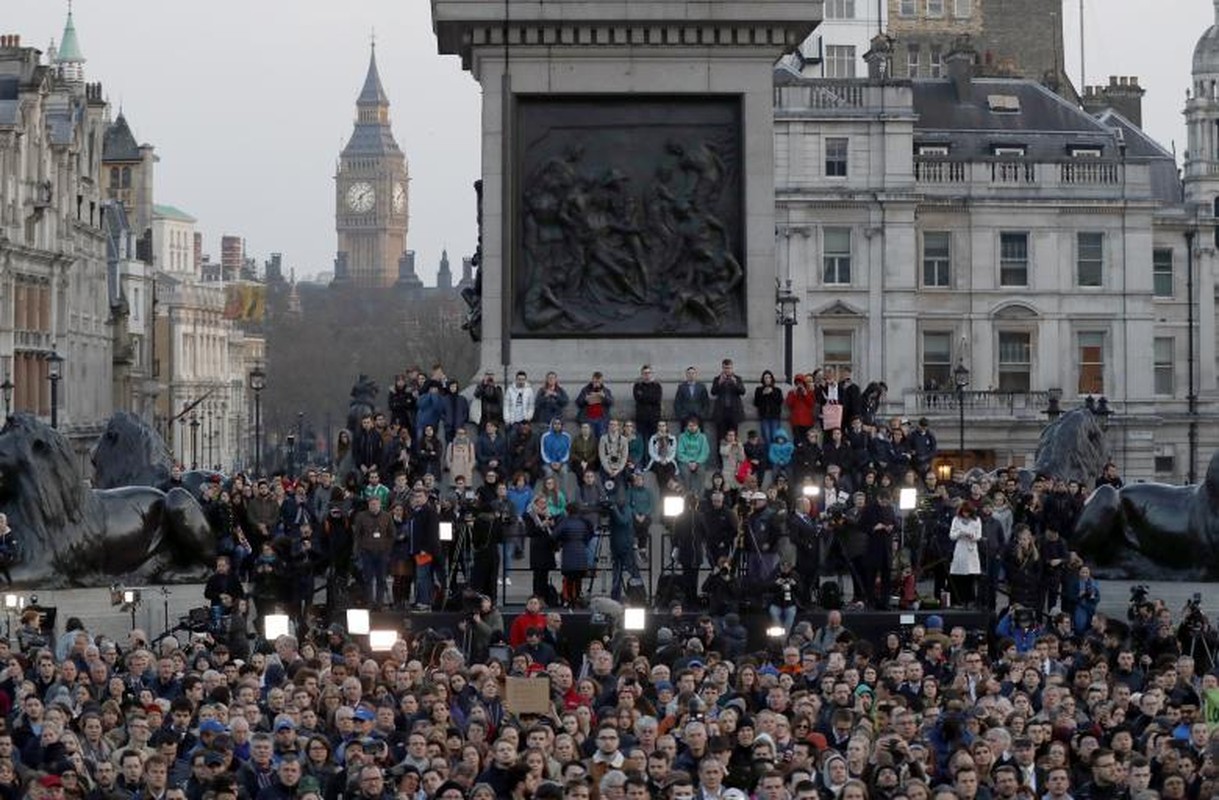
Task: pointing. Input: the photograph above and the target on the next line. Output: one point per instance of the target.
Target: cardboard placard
(528, 695)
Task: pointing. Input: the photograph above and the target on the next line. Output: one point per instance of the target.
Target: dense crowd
(1114, 712)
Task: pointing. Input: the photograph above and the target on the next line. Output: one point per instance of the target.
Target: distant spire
(373, 93)
(69, 45)
(444, 275)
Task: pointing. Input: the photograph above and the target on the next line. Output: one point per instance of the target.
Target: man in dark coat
(492, 398)
(805, 534)
(689, 533)
(729, 406)
(648, 395)
(691, 398)
(423, 535)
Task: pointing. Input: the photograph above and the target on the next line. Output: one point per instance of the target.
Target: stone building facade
(1022, 38)
(989, 223)
(835, 49)
(53, 266)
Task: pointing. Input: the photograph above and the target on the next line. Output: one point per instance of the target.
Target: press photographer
(1196, 636)
(481, 625)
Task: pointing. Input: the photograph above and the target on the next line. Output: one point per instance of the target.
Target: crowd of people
(688, 710)
(1054, 701)
(795, 500)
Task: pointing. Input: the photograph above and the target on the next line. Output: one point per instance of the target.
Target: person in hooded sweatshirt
(834, 776)
(780, 453)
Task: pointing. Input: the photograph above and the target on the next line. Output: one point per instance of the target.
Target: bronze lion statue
(363, 400)
(1072, 447)
(130, 453)
(1153, 530)
(72, 535)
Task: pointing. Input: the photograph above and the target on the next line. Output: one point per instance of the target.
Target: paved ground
(94, 609)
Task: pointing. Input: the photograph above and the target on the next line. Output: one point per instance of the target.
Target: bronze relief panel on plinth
(629, 217)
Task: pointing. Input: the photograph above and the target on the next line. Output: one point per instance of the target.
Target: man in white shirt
(518, 401)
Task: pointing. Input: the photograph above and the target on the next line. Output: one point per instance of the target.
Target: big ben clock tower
(371, 211)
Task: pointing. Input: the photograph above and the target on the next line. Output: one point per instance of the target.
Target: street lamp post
(182, 435)
(329, 441)
(1192, 397)
(54, 374)
(221, 427)
(300, 454)
(210, 436)
(7, 387)
(1053, 409)
(785, 313)
(960, 376)
(194, 440)
(258, 382)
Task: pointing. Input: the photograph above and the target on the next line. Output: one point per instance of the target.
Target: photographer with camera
(627, 578)
(689, 535)
(482, 624)
(1019, 624)
(784, 596)
(720, 593)
(1196, 636)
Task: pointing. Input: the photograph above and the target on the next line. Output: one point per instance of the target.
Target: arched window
(126, 177)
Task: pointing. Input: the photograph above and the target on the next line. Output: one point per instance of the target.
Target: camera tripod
(836, 548)
(458, 558)
(602, 561)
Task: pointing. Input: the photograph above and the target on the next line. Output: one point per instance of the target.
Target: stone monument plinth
(627, 204)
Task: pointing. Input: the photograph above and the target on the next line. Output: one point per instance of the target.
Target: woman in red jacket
(800, 407)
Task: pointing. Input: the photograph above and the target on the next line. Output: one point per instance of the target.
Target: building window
(1015, 361)
(937, 360)
(937, 259)
(835, 157)
(840, 9)
(1013, 259)
(1090, 260)
(905, 8)
(126, 184)
(838, 349)
(839, 61)
(933, 149)
(837, 255)
(937, 61)
(1161, 272)
(912, 61)
(1085, 152)
(1008, 151)
(935, 8)
(962, 9)
(1091, 362)
(1162, 357)
(1165, 462)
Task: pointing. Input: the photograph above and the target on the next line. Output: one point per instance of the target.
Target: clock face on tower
(361, 197)
(399, 198)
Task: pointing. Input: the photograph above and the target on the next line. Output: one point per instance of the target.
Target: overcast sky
(250, 101)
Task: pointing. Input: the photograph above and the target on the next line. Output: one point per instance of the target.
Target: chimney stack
(960, 62)
(1123, 94)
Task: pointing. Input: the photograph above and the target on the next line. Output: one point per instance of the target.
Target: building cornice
(463, 26)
